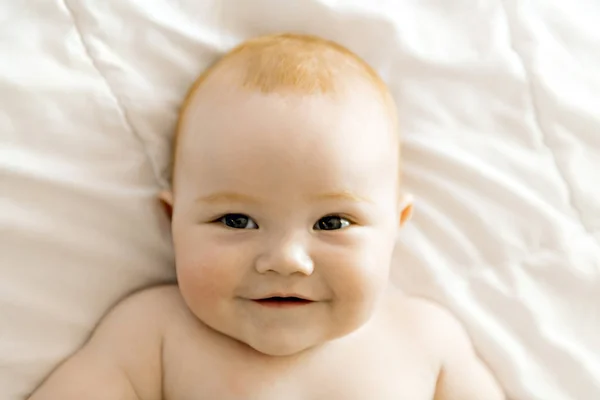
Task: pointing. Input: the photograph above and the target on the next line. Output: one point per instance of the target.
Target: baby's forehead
(250, 119)
(255, 140)
(251, 137)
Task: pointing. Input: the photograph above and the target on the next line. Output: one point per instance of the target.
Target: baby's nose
(286, 259)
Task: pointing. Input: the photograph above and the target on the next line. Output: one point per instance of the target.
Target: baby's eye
(238, 221)
(331, 223)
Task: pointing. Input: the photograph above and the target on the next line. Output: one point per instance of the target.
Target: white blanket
(499, 105)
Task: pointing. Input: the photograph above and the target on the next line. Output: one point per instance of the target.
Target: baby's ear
(166, 200)
(405, 206)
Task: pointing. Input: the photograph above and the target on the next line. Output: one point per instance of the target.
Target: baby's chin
(281, 348)
(285, 343)
(277, 343)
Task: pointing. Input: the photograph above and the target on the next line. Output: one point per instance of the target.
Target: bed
(499, 107)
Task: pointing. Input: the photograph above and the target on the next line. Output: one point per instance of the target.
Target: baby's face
(281, 196)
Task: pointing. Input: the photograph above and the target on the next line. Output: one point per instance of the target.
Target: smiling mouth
(282, 301)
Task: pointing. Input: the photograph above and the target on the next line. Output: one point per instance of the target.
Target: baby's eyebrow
(227, 197)
(344, 195)
(234, 197)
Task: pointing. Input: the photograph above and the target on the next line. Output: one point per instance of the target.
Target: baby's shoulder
(148, 312)
(436, 331)
(129, 337)
(161, 300)
(427, 323)
(158, 301)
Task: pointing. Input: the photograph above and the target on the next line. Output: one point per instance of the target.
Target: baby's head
(285, 183)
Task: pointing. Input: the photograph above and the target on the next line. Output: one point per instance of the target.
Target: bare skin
(285, 212)
(152, 347)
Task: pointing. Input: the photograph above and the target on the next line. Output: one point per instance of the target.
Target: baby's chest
(358, 376)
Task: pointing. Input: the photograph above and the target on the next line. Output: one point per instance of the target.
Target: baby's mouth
(278, 301)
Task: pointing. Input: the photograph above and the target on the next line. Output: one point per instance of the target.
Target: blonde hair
(289, 63)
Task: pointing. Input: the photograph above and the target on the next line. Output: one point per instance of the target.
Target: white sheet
(499, 105)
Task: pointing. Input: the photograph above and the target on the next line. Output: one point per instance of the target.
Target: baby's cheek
(357, 273)
(204, 276)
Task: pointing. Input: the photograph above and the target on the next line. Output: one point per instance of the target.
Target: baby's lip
(282, 302)
(284, 297)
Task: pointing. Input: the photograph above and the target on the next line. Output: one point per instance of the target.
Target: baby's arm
(463, 376)
(122, 359)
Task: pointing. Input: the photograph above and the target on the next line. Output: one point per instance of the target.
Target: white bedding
(499, 103)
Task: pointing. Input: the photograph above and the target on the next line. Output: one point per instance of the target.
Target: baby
(285, 208)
